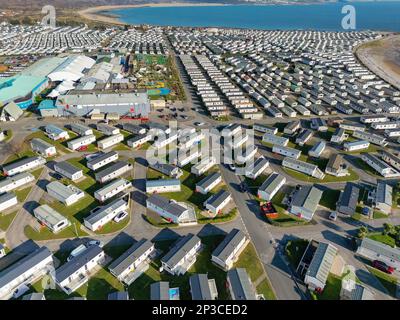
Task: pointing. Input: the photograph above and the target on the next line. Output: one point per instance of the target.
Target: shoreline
(98, 13)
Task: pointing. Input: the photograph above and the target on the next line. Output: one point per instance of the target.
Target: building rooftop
(21, 266)
(180, 249)
(381, 248)
(322, 261)
(169, 206)
(216, 199)
(307, 197)
(119, 265)
(229, 244)
(67, 167)
(241, 286)
(76, 263)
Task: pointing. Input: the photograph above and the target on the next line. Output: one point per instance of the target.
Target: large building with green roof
(25, 86)
(21, 89)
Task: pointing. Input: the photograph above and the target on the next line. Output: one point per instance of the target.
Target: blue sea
(380, 16)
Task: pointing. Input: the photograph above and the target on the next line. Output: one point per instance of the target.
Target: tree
(388, 229)
(362, 232)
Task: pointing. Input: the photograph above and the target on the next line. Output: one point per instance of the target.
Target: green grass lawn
(140, 289)
(388, 281)
(6, 219)
(329, 199)
(353, 176)
(331, 290)
(265, 288)
(379, 215)
(188, 186)
(294, 251)
(383, 238)
(60, 145)
(103, 283)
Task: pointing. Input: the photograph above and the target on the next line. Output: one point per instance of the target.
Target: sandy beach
(96, 13)
(382, 57)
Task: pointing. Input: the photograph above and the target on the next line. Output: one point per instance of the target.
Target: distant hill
(34, 4)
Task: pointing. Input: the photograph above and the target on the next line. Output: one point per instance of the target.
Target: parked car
(333, 216)
(95, 243)
(121, 216)
(231, 167)
(76, 252)
(380, 265)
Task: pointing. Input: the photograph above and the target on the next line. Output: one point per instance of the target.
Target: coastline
(98, 13)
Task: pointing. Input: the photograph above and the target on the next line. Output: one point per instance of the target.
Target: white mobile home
(110, 141)
(76, 272)
(374, 250)
(107, 130)
(133, 262)
(51, 218)
(7, 200)
(275, 140)
(98, 218)
(68, 170)
(203, 166)
(56, 133)
(304, 167)
(229, 250)
(163, 185)
(68, 195)
(217, 202)
(115, 170)
(16, 182)
(356, 145)
(170, 210)
(42, 147)
(25, 271)
(81, 129)
(182, 255)
(81, 142)
(271, 186)
(112, 189)
(256, 168)
(23, 165)
(208, 183)
(102, 160)
(138, 141)
(286, 151)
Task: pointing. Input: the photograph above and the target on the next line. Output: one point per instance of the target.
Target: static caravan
(98, 218)
(68, 170)
(203, 166)
(81, 142)
(163, 185)
(107, 130)
(16, 182)
(42, 147)
(112, 189)
(51, 218)
(138, 141)
(102, 160)
(7, 200)
(110, 141)
(286, 151)
(56, 133)
(81, 129)
(23, 165)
